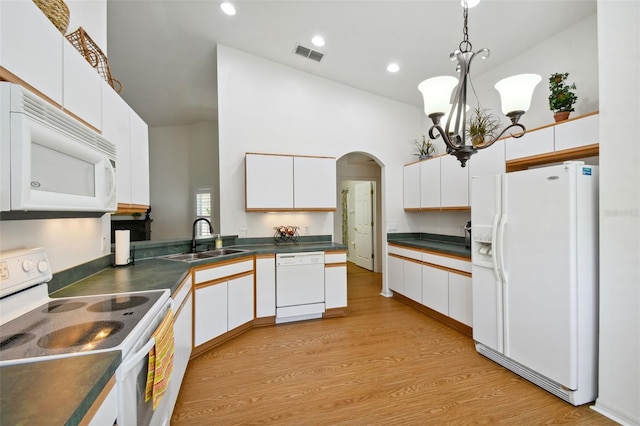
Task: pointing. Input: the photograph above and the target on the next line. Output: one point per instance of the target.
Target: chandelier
(439, 97)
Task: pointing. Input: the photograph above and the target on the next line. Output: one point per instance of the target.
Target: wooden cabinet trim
(463, 328)
(592, 150)
(289, 155)
(435, 265)
(222, 280)
(335, 265)
(102, 396)
(221, 263)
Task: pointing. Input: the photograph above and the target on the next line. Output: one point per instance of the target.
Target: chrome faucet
(193, 233)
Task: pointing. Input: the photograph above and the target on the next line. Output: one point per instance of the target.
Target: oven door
(53, 171)
(131, 379)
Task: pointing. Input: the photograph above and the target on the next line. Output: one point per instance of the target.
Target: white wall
(267, 107)
(619, 64)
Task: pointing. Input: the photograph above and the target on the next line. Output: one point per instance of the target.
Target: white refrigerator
(535, 275)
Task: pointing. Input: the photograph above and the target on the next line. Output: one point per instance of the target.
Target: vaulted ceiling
(164, 52)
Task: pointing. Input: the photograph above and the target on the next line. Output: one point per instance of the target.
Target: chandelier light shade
(516, 92)
(446, 93)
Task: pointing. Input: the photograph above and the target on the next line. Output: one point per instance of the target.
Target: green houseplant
(483, 125)
(424, 148)
(562, 96)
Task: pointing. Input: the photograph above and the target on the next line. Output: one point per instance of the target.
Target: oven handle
(133, 359)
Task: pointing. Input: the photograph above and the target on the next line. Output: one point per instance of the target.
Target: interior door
(364, 225)
(541, 329)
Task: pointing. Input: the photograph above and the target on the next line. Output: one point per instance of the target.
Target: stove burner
(58, 307)
(87, 333)
(118, 303)
(16, 340)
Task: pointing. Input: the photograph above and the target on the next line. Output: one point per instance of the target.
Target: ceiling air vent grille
(308, 53)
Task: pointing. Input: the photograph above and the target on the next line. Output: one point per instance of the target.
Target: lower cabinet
(182, 305)
(266, 286)
(105, 409)
(335, 280)
(434, 282)
(222, 300)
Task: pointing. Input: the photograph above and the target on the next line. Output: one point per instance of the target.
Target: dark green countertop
(55, 392)
(445, 244)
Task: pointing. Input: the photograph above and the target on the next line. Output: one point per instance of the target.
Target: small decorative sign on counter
(286, 234)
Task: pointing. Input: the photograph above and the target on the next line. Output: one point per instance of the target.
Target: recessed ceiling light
(228, 8)
(470, 3)
(318, 41)
(393, 67)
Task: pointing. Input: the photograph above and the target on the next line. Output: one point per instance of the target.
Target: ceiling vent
(308, 53)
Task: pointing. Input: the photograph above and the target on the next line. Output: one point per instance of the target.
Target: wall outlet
(305, 229)
(244, 232)
(392, 227)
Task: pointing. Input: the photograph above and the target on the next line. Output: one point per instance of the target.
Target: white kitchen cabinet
(210, 312)
(460, 298)
(265, 286)
(577, 133)
(82, 87)
(435, 289)
(335, 279)
(411, 186)
(412, 278)
(269, 181)
(314, 183)
(488, 161)
(107, 411)
(122, 126)
(534, 142)
(139, 137)
(289, 183)
(239, 301)
(430, 183)
(395, 274)
(454, 183)
(31, 48)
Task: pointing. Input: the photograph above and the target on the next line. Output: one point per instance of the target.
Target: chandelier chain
(465, 45)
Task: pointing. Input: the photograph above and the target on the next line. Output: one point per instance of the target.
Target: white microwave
(50, 162)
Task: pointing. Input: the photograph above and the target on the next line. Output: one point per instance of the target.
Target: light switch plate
(244, 232)
(392, 227)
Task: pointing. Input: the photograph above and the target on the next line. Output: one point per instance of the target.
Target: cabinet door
(139, 136)
(116, 129)
(430, 183)
(460, 306)
(395, 275)
(314, 183)
(335, 286)
(268, 182)
(454, 182)
(82, 87)
(182, 330)
(31, 47)
(411, 186)
(210, 316)
(265, 286)
(435, 289)
(532, 143)
(412, 277)
(576, 133)
(240, 301)
(489, 161)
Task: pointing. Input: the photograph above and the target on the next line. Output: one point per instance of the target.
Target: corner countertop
(64, 389)
(445, 244)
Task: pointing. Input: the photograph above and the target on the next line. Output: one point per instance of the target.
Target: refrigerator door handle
(500, 246)
(494, 242)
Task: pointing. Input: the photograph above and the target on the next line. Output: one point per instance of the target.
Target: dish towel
(160, 361)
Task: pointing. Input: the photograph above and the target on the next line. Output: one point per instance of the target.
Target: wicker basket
(92, 53)
(57, 12)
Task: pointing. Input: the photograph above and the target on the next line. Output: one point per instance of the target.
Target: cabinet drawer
(400, 251)
(448, 262)
(335, 257)
(216, 272)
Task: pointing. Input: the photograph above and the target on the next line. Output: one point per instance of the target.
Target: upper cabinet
(31, 49)
(436, 184)
(81, 87)
(289, 183)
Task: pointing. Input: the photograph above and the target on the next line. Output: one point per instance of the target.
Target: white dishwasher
(299, 286)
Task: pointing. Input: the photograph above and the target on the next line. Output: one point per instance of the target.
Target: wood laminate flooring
(382, 364)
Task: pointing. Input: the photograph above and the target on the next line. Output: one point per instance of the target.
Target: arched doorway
(357, 223)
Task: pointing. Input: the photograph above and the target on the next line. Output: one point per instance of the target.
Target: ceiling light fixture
(318, 41)
(228, 8)
(393, 67)
(515, 93)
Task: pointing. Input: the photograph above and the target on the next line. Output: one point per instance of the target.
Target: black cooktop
(74, 325)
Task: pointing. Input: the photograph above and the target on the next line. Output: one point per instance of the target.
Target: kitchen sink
(209, 254)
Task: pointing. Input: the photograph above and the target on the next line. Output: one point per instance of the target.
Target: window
(203, 209)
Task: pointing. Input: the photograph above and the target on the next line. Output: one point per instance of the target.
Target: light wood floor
(383, 364)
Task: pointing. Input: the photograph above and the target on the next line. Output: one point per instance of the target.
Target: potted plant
(424, 148)
(562, 96)
(483, 125)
